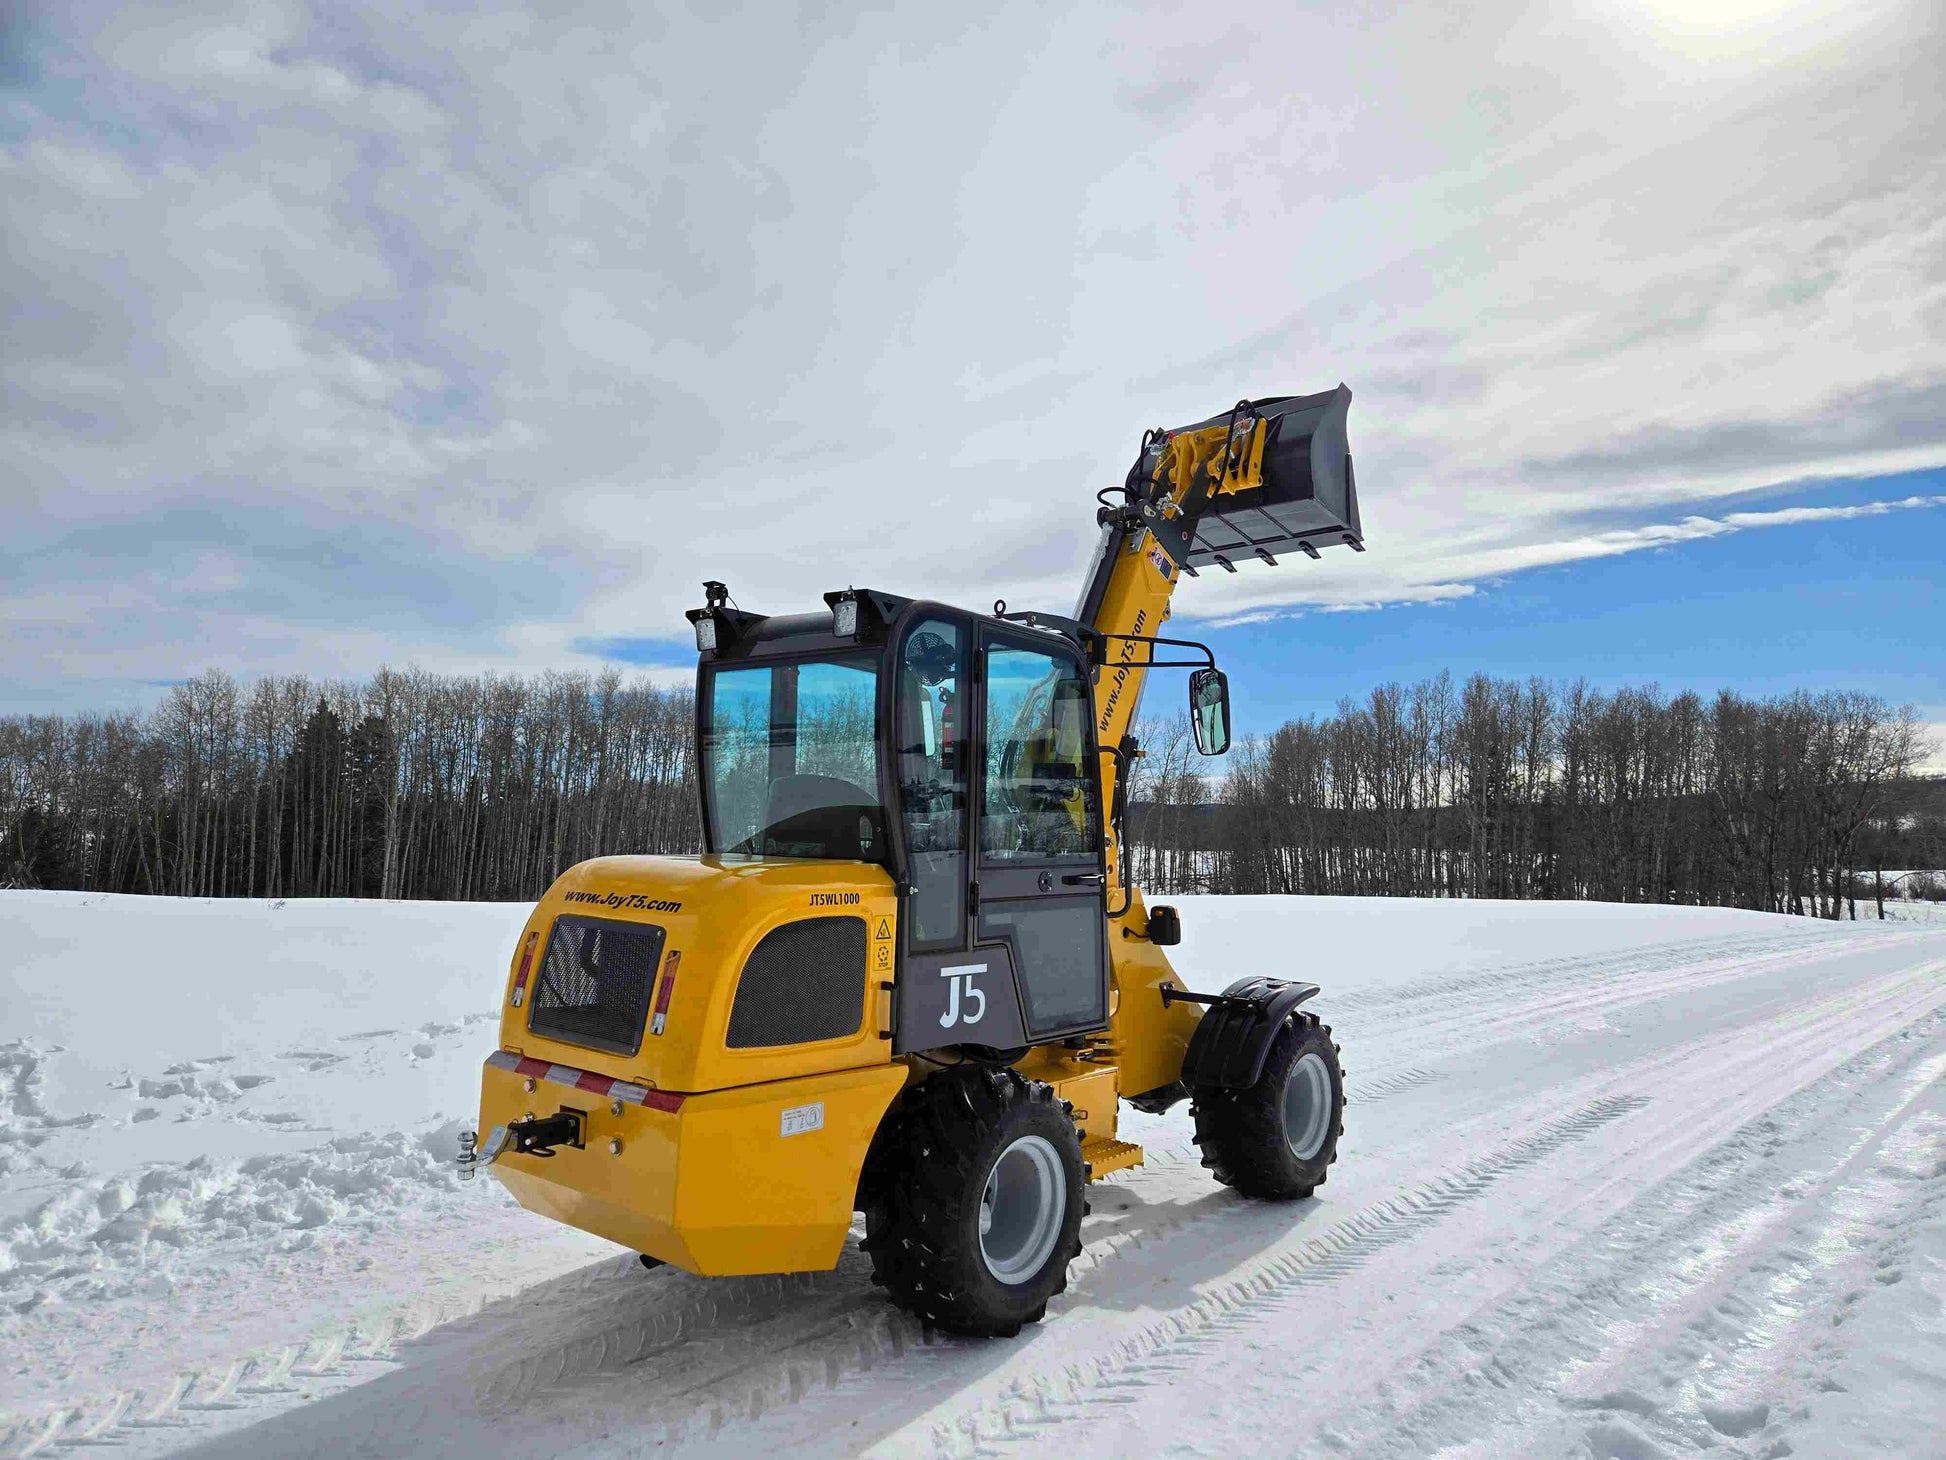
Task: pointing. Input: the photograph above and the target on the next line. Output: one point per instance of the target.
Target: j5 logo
(960, 981)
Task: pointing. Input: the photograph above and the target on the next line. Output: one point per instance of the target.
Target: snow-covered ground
(1620, 1182)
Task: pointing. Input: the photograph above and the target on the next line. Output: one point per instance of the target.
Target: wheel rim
(1022, 1208)
(1307, 1106)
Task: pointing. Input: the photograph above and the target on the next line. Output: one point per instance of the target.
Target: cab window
(790, 760)
(1040, 793)
(932, 779)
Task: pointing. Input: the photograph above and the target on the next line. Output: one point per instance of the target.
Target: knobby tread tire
(922, 1190)
(1241, 1132)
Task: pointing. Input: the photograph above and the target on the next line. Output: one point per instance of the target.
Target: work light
(844, 618)
(706, 634)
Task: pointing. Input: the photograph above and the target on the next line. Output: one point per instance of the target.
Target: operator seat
(839, 818)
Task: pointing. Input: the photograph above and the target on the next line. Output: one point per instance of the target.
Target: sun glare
(1723, 14)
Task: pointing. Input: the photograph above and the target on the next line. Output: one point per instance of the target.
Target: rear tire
(973, 1201)
(1277, 1139)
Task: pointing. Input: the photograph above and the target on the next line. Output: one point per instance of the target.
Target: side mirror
(1209, 711)
(1165, 928)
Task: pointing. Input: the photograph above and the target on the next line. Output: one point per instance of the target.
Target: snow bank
(187, 1086)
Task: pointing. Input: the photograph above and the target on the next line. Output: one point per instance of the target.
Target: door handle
(1076, 879)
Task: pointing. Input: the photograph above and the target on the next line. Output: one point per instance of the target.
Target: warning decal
(884, 928)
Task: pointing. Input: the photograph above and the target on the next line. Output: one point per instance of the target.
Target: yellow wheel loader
(909, 976)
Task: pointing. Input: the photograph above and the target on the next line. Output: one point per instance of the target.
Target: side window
(737, 756)
(1040, 800)
(932, 778)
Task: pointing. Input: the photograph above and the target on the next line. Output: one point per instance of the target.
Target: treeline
(1535, 790)
(410, 785)
(414, 785)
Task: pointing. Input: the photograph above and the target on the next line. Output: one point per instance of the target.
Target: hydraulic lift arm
(1266, 477)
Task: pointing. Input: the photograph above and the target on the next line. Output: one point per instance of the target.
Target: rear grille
(594, 983)
(804, 982)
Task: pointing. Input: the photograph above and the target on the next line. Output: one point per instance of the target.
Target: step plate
(1106, 1156)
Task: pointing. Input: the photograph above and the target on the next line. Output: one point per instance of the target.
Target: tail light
(669, 967)
(526, 968)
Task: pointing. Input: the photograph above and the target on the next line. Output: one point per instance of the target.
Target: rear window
(790, 760)
(594, 983)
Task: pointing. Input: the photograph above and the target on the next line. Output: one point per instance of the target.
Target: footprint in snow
(1617, 1439)
(1626, 1400)
(315, 1059)
(1738, 1421)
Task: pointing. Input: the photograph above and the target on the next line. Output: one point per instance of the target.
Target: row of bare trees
(426, 786)
(1496, 788)
(408, 785)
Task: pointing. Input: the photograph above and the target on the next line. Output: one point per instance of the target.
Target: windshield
(790, 760)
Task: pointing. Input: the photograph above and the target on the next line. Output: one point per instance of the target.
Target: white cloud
(538, 319)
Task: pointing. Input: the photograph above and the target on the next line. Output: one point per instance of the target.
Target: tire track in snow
(1747, 1077)
(1027, 1407)
(1650, 1289)
(1738, 948)
(835, 1357)
(1432, 1016)
(196, 1397)
(1370, 1092)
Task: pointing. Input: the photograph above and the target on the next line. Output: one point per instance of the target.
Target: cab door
(1002, 920)
(949, 990)
(1039, 883)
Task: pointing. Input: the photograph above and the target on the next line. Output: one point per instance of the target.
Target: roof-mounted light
(862, 614)
(719, 625)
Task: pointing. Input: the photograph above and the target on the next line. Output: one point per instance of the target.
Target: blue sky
(345, 334)
(1855, 604)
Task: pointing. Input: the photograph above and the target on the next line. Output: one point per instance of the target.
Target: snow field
(217, 1118)
(1615, 1182)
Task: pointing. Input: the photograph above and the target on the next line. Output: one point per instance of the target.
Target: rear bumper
(757, 1179)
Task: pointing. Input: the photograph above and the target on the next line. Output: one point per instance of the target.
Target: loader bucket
(1307, 500)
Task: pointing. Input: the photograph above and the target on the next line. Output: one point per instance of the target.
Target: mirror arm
(1208, 661)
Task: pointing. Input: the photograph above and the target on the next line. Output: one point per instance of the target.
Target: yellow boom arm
(1263, 478)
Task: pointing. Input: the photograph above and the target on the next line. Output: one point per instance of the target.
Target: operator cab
(958, 752)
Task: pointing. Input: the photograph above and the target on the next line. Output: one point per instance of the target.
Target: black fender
(1233, 1038)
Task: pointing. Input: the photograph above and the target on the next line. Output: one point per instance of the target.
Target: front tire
(973, 1201)
(1277, 1139)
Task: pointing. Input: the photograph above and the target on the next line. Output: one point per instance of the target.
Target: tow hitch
(531, 1136)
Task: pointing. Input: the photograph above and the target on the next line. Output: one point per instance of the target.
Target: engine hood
(689, 925)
